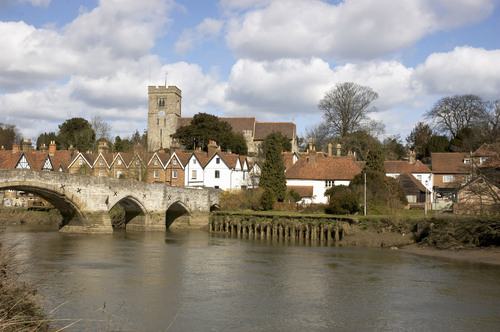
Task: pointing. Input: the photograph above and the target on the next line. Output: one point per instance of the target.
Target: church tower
(164, 108)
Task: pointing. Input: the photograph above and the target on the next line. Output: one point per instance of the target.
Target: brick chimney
(102, 147)
(43, 148)
(52, 148)
(26, 145)
(412, 157)
(212, 148)
(15, 148)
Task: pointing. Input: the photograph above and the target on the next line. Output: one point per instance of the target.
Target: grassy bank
(21, 216)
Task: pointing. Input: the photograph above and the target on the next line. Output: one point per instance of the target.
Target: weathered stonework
(85, 201)
(164, 108)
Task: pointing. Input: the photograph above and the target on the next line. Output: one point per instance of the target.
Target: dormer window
(467, 161)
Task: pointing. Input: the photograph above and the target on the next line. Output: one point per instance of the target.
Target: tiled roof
(450, 162)
(303, 191)
(323, 169)
(9, 159)
(488, 150)
(202, 157)
(238, 124)
(398, 167)
(230, 159)
(417, 183)
(36, 159)
(263, 129)
(183, 157)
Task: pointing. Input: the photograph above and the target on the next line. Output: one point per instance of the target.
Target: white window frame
(217, 174)
(449, 178)
(155, 174)
(174, 174)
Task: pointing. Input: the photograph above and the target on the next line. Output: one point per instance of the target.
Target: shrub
(292, 196)
(343, 202)
(241, 199)
(267, 199)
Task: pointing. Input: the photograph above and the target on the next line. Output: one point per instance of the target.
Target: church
(164, 117)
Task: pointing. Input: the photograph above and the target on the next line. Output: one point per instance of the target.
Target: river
(196, 281)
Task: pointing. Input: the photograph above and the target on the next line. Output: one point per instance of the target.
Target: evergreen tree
(273, 170)
(375, 161)
(77, 132)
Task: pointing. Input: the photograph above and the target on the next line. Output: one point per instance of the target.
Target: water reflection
(195, 281)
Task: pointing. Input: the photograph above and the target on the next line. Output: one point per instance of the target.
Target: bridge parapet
(85, 201)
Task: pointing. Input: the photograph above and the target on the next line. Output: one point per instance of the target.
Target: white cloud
(207, 30)
(39, 3)
(461, 71)
(353, 29)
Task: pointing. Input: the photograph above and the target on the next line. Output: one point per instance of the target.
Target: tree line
(459, 123)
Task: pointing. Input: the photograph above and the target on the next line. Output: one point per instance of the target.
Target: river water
(196, 281)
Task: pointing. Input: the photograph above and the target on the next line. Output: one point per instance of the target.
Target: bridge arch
(68, 207)
(135, 212)
(179, 213)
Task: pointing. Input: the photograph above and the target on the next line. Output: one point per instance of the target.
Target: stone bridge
(85, 201)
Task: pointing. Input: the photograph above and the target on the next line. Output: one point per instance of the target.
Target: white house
(321, 173)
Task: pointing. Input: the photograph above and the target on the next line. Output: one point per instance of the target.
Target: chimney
(43, 148)
(102, 147)
(15, 148)
(71, 150)
(310, 143)
(52, 148)
(339, 149)
(27, 145)
(2, 148)
(212, 148)
(330, 150)
(412, 157)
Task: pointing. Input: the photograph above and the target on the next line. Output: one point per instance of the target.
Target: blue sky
(273, 60)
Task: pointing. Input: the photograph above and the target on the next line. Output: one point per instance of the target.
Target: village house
(451, 171)
(479, 196)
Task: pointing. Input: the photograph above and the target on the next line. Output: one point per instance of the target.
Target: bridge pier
(89, 223)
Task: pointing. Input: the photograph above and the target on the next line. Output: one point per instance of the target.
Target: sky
(272, 60)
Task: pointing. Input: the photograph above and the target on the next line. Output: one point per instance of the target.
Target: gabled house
(156, 167)
(194, 175)
(83, 163)
(417, 172)
(451, 171)
(321, 173)
(175, 168)
(227, 171)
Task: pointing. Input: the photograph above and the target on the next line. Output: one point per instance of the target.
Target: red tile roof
(303, 191)
(323, 169)
(450, 163)
(488, 150)
(398, 167)
(238, 124)
(263, 129)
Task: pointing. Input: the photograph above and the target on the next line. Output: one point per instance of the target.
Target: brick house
(451, 171)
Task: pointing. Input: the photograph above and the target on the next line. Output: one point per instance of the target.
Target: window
(101, 173)
(217, 174)
(155, 174)
(80, 162)
(193, 174)
(329, 184)
(411, 198)
(217, 160)
(119, 162)
(467, 178)
(101, 162)
(157, 122)
(164, 122)
(194, 161)
(118, 174)
(161, 102)
(448, 178)
(137, 162)
(156, 162)
(419, 178)
(174, 162)
(467, 161)
(174, 174)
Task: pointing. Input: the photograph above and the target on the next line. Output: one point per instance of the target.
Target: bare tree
(454, 114)
(320, 135)
(346, 107)
(101, 128)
